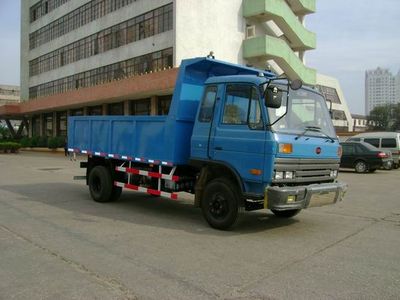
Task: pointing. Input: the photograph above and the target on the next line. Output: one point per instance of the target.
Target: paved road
(55, 243)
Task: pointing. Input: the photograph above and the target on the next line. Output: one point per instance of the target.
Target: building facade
(341, 116)
(120, 57)
(9, 94)
(381, 88)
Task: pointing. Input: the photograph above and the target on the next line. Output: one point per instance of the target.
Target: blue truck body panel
(161, 138)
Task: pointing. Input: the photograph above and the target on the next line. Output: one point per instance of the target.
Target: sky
(352, 36)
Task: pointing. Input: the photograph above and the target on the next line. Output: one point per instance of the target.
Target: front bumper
(300, 197)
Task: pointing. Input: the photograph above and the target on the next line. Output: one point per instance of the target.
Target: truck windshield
(304, 110)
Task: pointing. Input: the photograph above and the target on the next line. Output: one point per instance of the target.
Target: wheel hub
(218, 206)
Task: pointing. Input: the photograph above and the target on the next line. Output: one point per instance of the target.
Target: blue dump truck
(236, 137)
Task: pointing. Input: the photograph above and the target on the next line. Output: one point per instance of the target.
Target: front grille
(306, 170)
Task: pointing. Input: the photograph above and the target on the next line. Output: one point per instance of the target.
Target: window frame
(251, 87)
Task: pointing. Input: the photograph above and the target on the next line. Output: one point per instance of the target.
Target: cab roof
(254, 79)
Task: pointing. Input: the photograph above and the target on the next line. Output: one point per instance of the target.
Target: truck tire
(101, 185)
(361, 167)
(285, 214)
(220, 204)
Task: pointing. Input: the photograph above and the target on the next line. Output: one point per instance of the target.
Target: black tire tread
(231, 221)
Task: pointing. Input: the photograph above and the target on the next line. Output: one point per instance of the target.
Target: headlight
(334, 173)
(284, 175)
(289, 175)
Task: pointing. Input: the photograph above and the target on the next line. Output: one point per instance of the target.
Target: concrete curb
(39, 149)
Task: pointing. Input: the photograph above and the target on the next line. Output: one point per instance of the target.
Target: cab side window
(236, 105)
(207, 106)
(242, 106)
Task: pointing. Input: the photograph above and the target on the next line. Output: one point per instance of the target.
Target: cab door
(200, 141)
(238, 135)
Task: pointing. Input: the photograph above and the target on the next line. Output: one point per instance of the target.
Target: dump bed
(155, 139)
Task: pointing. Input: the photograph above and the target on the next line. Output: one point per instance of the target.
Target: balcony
(302, 7)
(279, 11)
(268, 47)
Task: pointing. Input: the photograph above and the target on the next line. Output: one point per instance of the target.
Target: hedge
(9, 147)
(36, 141)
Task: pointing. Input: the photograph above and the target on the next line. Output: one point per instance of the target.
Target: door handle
(218, 148)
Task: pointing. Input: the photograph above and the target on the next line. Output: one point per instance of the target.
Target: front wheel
(101, 185)
(285, 214)
(220, 204)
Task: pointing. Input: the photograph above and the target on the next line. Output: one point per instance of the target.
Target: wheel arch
(210, 170)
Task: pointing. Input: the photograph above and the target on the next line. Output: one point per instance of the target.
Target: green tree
(4, 132)
(385, 117)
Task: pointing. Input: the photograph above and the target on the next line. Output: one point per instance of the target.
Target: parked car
(361, 156)
(384, 141)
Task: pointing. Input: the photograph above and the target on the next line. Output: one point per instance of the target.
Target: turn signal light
(285, 148)
(256, 172)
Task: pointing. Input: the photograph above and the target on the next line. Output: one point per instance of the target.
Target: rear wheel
(388, 166)
(101, 185)
(285, 214)
(396, 166)
(220, 204)
(361, 167)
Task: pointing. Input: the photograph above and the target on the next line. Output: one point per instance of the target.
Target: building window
(135, 66)
(116, 109)
(83, 15)
(140, 107)
(329, 93)
(44, 7)
(76, 112)
(62, 123)
(95, 110)
(36, 126)
(48, 125)
(338, 115)
(164, 103)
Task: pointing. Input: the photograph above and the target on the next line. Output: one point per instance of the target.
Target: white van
(384, 141)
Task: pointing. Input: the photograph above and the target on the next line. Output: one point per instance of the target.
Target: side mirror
(273, 97)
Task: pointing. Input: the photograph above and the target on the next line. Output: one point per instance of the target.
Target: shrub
(61, 141)
(9, 147)
(42, 141)
(34, 141)
(53, 143)
(26, 142)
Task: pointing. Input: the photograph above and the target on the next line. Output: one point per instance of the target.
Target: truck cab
(278, 144)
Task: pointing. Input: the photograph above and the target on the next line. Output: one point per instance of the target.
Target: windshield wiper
(314, 129)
